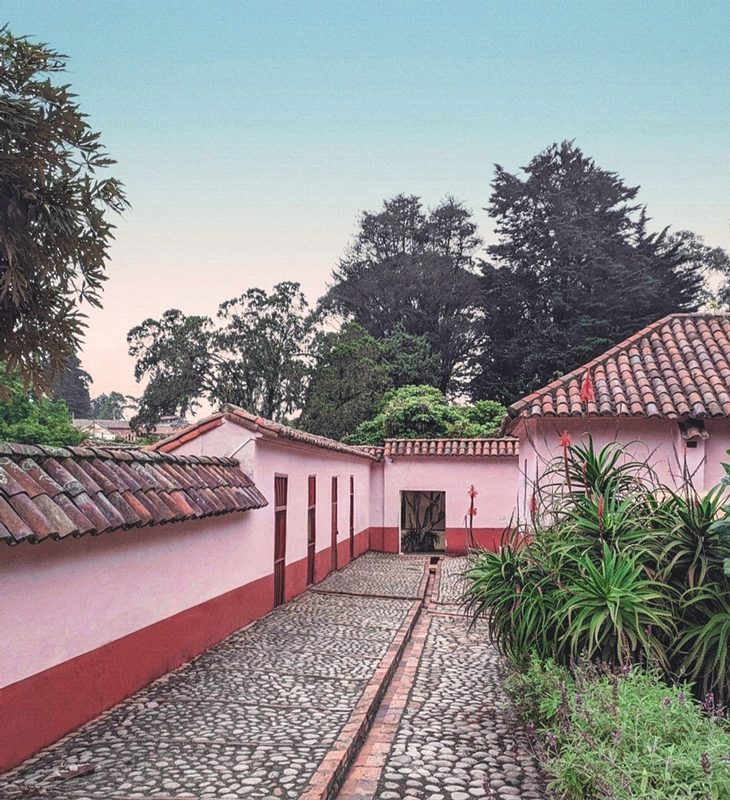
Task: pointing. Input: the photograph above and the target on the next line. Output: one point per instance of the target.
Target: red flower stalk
(587, 395)
(565, 442)
(473, 492)
(533, 506)
(472, 511)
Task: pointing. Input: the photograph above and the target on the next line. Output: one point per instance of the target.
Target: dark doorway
(334, 523)
(423, 522)
(280, 492)
(352, 517)
(311, 528)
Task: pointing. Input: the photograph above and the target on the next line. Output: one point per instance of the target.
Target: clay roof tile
(677, 367)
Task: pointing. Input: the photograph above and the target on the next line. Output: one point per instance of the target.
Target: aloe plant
(614, 566)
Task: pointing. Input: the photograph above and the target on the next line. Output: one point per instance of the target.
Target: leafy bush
(29, 420)
(421, 412)
(614, 567)
(622, 734)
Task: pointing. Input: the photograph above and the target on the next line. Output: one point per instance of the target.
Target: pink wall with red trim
(88, 621)
(495, 479)
(657, 441)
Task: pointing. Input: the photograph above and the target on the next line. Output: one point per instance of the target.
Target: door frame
(311, 527)
(352, 517)
(334, 523)
(281, 490)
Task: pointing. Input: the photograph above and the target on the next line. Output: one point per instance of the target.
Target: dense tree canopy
(257, 356)
(54, 226)
(348, 382)
(575, 271)
(73, 387)
(413, 269)
(422, 412)
(27, 419)
(109, 406)
(410, 359)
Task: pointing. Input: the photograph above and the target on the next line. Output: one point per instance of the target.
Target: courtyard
(372, 684)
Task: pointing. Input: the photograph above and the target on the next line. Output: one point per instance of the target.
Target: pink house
(384, 480)
(128, 563)
(664, 392)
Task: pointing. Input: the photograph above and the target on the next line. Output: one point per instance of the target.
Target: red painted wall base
(41, 709)
(456, 540)
(385, 540)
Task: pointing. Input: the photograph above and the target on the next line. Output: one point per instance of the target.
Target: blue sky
(251, 134)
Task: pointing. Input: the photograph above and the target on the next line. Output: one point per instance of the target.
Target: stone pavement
(279, 709)
(446, 729)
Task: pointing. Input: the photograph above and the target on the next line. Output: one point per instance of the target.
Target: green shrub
(615, 567)
(622, 735)
(422, 412)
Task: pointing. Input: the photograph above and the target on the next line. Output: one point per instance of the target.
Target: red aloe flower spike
(533, 505)
(473, 492)
(565, 440)
(587, 395)
(472, 512)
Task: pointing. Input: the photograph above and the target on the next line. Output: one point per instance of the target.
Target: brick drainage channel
(285, 707)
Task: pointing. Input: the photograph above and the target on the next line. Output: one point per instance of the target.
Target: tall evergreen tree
(410, 359)
(415, 269)
(348, 382)
(575, 271)
(73, 387)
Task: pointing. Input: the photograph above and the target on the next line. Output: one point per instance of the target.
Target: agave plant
(696, 545)
(704, 649)
(513, 592)
(614, 610)
(584, 470)
(615, 567)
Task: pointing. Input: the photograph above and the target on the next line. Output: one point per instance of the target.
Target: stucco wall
(62, 599)
(655, 441)
(263, 458)
(495, 479)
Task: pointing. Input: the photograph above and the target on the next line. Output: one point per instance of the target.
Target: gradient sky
(250, 135)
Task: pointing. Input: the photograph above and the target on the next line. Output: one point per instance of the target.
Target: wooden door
(311, 528)
(334, 523)
(280, 492)
(352, 517)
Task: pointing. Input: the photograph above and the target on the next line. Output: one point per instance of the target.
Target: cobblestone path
(446, 729)
(378, 574)
(452, 585)
(458, 738)
(252, 717)
(261, 715)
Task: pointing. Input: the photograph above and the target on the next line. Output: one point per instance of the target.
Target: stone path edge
(331, 773)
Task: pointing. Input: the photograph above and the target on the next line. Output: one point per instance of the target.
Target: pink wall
(495, 479)
(263, 458)
(656, 441)
(88, 621)
(62, 599)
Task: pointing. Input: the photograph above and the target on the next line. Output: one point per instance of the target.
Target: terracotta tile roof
(676, 368)
(470, 448)
(266, 427)
(56, 492)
